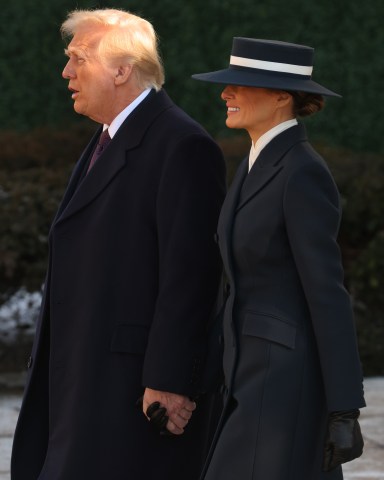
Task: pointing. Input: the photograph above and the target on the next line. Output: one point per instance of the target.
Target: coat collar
(270, 162)
(81, 192)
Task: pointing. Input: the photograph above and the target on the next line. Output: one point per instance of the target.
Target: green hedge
(34, 170)
(196, 36)
(361, 182)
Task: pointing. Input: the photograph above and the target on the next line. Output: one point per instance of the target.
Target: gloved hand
(157, 415)
(343, 441)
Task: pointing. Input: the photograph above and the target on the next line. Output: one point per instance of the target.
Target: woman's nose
(227, 93)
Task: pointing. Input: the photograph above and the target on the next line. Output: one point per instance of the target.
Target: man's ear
(123, 73)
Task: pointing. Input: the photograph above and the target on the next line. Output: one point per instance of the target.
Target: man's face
(91, 81)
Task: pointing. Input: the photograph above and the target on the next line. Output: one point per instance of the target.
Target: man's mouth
(233, 109)
(74, 92)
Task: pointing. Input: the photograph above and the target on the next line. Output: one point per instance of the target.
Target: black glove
(343, 441)
(157, 415)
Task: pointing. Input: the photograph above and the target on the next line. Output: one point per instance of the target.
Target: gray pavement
(369, 467)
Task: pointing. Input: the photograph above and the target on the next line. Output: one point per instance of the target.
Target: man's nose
(68, 72)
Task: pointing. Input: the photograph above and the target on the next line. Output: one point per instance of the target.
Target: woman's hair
(128, 40)
(305, 104)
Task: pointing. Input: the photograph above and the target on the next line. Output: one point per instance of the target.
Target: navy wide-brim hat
(269, 64)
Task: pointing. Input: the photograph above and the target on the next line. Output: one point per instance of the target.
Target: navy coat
(132, 279)
(290, 353)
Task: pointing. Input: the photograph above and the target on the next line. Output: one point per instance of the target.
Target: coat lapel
(76, 175)
(113, 159)
(246, 185)
(106, 167)
(269, 163)
(228, 212)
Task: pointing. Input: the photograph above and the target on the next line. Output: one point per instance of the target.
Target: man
(132, 277)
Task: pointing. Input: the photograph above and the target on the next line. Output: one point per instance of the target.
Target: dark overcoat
(290, 353)
(132, 279)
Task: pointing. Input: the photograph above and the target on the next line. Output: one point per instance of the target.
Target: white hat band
(271, 66)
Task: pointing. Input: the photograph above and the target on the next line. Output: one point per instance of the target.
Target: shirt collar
(121, 117)
(266, 138)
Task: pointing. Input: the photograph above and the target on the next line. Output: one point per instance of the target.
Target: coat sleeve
(190, 195)
(312, 215)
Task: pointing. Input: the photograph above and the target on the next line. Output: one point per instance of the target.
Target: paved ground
(369, 467)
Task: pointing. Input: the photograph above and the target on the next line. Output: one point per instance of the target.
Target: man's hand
(178, 408)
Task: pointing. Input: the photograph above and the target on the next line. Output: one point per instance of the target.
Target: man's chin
(77, 108)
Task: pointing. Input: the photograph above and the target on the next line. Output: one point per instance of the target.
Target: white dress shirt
(266, 138)
(119, 120)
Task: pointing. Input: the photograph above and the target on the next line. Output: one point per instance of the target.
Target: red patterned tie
(104, 139)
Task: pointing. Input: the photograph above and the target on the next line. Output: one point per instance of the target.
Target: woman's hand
(344, 441)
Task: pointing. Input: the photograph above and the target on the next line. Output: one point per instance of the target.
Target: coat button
(29, 362)
(227, 290)
(216, 238)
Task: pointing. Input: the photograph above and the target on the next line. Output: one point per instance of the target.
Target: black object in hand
(343, 441)
(157, 415)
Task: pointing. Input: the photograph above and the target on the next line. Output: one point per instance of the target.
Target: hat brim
(264, 79)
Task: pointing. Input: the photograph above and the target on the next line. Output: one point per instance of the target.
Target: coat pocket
(129, 339)
(269, 328)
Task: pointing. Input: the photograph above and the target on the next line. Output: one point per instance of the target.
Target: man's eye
(80, 60)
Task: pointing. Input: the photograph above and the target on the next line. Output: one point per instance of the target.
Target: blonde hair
(128, 40)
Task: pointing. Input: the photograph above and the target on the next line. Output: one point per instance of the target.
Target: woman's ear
(123, 73)
(284, 99)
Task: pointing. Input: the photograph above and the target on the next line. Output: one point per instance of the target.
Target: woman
(292, 371)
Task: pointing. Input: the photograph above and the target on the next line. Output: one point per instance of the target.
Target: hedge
(196, 36)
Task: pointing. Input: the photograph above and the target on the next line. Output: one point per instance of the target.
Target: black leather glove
(157, 415)
(343, 441)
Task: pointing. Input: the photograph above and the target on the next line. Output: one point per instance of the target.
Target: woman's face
(257, 110)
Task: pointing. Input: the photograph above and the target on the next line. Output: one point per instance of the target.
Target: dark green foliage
(196, 36)
(367, 275)
(360, 178)
(34, 170)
